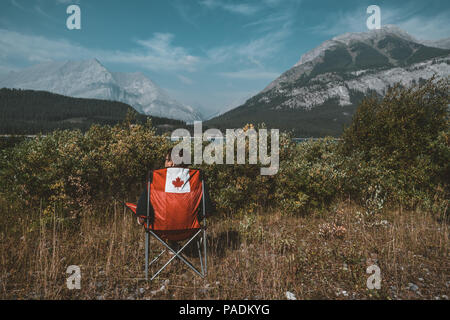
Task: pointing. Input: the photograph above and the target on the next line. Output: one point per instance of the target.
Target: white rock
(290, 296)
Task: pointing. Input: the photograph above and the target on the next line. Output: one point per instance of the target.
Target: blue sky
(207, 53)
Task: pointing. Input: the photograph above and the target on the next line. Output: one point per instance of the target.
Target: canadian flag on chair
(177, 180)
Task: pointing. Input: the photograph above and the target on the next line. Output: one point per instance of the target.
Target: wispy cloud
(409, 18)
(185, 12)
(254, 51)
(240, 8)
(6, 68)
(247, 8)
(250, 74)
(155, 54)
(68, 1)
(33, 48)
(425, 28)
(159, 54)
(252, 57)
(269, 20)
(37, 8)
(16, 4)
(185, 80)
(44, 14)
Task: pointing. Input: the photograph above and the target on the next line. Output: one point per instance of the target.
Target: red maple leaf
(178, 182)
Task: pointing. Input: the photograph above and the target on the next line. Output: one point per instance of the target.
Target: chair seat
(175, 235)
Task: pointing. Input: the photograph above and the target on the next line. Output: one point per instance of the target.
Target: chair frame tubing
(201, 233)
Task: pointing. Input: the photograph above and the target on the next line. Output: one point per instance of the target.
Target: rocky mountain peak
(91, 79)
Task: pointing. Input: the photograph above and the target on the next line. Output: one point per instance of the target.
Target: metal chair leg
(204, 247)
(146, 256)
(177, 255)
(200, 256)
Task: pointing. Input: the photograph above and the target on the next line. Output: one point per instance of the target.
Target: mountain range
(316, 97)
(319, 94)
(90, 79)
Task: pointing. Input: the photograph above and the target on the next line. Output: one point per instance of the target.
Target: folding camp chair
(174, 197)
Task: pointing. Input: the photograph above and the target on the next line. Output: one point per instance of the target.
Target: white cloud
(425, 28)
(409, 18)
(269, 21)
(5, 69)
(16, 4)
(34, 49)
(341, 22)
(247, 8)
(251, 74)
(41, 12)
(241, 8)
(185, 12)
(270, 31)
(156, 54)
(185, 80)
(37, 8)
(254, 51)
(68, 1)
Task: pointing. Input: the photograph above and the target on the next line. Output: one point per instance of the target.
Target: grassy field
(262, 256)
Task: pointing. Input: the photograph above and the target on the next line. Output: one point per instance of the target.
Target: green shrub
(240, 188)
(79, 169)
(396, 149)
(310, 178)
(400, 142)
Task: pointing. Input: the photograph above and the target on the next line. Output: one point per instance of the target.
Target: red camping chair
(175, 196)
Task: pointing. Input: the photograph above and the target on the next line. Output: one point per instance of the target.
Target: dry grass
(261, 256)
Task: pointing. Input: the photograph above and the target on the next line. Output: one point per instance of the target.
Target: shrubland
(330, 199)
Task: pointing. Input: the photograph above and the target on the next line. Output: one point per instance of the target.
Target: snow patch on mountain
(338, 85)
(332, 86)
(406, 76)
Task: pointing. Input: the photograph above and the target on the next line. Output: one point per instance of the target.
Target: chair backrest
(175, 195)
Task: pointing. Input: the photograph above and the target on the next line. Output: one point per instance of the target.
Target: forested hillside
(32, 112)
